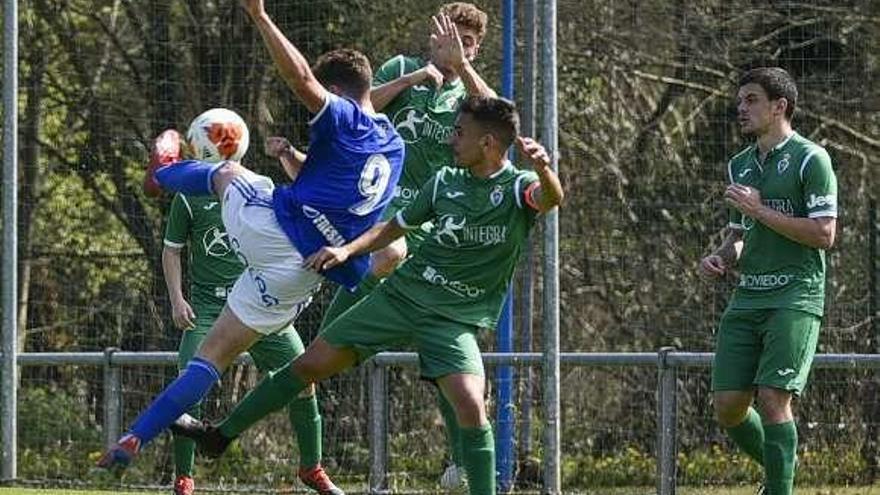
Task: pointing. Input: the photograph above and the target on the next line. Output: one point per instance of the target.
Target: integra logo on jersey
(814, 201)
(453, 231)
(322, 223)
(457, 287)
(412, 125)
(764, 282)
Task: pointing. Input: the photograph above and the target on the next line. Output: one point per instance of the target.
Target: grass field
(869, 490)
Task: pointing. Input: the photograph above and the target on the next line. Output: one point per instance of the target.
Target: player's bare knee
(774, 405)
(470, 411)
(731, 408)
(308, 368)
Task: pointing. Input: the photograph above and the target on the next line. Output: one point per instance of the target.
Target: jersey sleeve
(179, 221)
(337, 113)
(390, 70)
(525, 188)
(422, 209)
(735, 218)
(819, 184)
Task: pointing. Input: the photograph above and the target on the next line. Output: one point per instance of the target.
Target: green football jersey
(424, 117)
(797, 180)
(213, 265)
(464, 267)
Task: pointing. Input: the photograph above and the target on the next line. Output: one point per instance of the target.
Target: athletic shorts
(765, 348)
(274, 287)
(385, 321)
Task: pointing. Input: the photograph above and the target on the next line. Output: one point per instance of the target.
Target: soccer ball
(218, 134)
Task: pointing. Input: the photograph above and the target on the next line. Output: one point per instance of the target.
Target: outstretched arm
(292, 65)
(381, 235)
(291, 158)
(547, 193)
(382, 95)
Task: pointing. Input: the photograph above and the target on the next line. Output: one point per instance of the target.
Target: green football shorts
(765, 348)
(384, 321)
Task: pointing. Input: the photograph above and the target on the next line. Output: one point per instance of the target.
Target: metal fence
(667, 361)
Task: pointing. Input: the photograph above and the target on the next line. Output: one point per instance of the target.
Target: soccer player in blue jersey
(354, 161)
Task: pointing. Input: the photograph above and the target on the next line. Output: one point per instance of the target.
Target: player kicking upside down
(437, 302)
(355, 158)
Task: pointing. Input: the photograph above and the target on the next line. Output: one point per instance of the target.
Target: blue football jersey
(351, 169)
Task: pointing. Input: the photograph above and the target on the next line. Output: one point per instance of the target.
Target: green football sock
(275, 391)
(306, 422)
(185, 449)
(453, 432)
(780, 455)
(749, 436)
(478, 452)
(343, 300)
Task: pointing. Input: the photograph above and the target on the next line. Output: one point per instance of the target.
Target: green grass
(869, 490)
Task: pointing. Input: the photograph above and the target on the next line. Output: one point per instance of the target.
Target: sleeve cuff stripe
(327, 97)
(823, 214)
(734, 225)
(400, 221)
(174, 244)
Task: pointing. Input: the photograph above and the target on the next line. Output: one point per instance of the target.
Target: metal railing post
(667, 416)
(112, 398)
(378, 428)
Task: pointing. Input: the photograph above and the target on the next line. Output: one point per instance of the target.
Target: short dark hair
(347, 68)
(776, 82)
(467, 15)
(496, 115)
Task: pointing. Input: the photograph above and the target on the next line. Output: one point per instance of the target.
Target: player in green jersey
(421, 96)
(452, 286)
(195, 222)
(783, 202)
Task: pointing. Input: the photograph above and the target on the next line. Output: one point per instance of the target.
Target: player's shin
(274, 392)
(780, 457)
(178, 397)
(478, 452)
(306, 422)
(749, 436)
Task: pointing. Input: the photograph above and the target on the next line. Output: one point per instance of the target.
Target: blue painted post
(504, 379)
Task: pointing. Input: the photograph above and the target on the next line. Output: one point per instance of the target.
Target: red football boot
(166, 150)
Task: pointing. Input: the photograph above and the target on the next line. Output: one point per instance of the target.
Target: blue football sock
(190, 177)
(177, 398)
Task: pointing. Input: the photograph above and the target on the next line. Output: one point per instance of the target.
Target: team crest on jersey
(783, 164)
(496, 196)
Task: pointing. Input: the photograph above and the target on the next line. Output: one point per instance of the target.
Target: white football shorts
(274, 287)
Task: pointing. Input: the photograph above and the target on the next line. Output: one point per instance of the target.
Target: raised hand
(276, 145)
(534, 152)
(446, 43)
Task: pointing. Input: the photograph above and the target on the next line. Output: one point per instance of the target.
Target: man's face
(466, 140)
(470, 42)
(755, 111)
